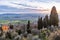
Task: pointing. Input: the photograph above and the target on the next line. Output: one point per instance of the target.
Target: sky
(28, 6)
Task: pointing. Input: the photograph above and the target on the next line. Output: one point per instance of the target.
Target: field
(14, 21)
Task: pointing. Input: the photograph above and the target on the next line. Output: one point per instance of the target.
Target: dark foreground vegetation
(43, 30)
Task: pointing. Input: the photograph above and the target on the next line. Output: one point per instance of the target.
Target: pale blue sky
(27, 5)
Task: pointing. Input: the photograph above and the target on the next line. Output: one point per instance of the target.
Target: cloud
(31, 5)
(23, 3)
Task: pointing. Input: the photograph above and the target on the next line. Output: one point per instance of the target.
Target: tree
(45, 21)
(11, 26)
(57, 38)
(19, 32)
(49, 22)
(8, 35)
(1, 34)
(40, 23)
(54, 17)
(28, 27)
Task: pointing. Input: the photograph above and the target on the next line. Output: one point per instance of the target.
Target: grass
(14, 21)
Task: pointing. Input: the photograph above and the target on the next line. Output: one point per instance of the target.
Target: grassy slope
(14, 21)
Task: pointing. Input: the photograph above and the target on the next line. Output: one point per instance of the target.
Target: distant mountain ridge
(12, 16)
(4, 8)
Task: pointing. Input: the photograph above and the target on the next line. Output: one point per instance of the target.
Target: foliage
(19, 32)
(45, 21)
(28, 27)
(40, 23)
(54, 17)
(43, 34)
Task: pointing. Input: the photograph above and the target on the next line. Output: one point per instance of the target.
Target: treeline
(48, 21)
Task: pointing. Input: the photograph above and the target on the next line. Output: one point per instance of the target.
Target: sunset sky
(28, 6)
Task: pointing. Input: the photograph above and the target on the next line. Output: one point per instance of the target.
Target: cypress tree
(11, 26)
(45, 21)
(40, 23)
(54, 17)
(28, 27)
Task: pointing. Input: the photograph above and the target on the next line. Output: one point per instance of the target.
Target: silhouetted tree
(28, 27)
(49, 22)
(1, 28)
(11, 26)
(8, 35)
(45, 21)
(46, 17)
(19, 32)
(1, 34)
(40, 23)
(57, 38)
(54, 17)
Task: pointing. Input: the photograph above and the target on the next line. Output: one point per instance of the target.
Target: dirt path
(54, 34)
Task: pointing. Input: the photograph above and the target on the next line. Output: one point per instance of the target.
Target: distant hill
(12, 16)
